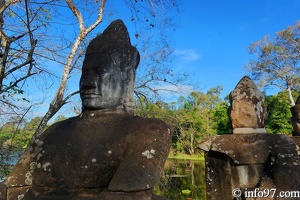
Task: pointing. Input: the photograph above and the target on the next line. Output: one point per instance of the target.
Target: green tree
(6, 132)
(279, 114)
(24, 135)
(192, 118)
(10, 130)
(276, 60)
(16, 133)
(220, 113)
(195, 119)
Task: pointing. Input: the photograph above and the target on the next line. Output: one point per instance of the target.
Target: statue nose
(91, 84)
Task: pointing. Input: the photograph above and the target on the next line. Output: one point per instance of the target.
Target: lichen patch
(149, 154)
(47, 164)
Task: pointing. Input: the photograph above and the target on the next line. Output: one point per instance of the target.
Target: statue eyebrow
(100, 70)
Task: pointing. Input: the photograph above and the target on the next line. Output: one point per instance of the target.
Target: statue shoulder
(150, 126)
(59, 126)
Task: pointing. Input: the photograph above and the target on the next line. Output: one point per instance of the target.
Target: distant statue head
(247, 110)
(108, 71)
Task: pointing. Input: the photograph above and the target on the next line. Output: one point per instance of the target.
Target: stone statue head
(247, 111)
(108, 71)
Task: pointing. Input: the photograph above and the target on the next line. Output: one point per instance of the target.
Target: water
(181, 180)
(7, 160)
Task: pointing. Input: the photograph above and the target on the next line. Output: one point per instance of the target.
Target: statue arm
(21, 174)
(149, 143)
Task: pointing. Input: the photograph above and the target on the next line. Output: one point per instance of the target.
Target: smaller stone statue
(247, 110)
(296, 117)
(248, 160)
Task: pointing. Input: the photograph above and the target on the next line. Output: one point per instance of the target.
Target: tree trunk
(192, 172)
(291, 96)
(42, 125)
(192, 144)
(59, 100)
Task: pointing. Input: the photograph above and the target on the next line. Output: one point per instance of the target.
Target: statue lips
(90, 96)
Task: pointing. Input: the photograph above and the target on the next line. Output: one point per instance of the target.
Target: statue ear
(131, 61)
(136, 59)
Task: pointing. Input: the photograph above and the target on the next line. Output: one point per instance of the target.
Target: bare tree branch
(7, 4)
(58, 100)
(15, 83)
(77, 14)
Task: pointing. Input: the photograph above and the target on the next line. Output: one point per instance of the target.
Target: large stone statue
(106, 152)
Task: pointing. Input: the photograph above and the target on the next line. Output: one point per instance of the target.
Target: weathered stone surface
(126, 154)
(17, 192)
(295, 110)
(114, 153)
(247, 108)
(145, 155)
(223, 176)
(296, 140)
(253, 148)
(242, 149)
(108, 72)
(3, 191)
(44, 193)
(248, 130)
(250, 161)
(106, 152)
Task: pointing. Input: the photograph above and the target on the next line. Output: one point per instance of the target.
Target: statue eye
(100, 71)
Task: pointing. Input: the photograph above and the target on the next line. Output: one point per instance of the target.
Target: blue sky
(213, 36)
(211, 39)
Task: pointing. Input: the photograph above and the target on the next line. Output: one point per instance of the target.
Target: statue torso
(67, 159)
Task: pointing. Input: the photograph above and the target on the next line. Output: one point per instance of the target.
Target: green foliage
(196, 119)
(221, 117)
(16, 136)
(193, 118)
(186, 192)
(9, 130)
(5, 169)
(22, 139)
(279, 114)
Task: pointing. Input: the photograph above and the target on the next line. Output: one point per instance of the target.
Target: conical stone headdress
(115, 41)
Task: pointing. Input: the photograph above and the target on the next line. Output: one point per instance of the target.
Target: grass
(187, 157)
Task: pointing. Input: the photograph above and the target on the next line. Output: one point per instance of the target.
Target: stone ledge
(248, 130)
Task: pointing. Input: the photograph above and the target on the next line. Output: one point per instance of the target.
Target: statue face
(100, 83)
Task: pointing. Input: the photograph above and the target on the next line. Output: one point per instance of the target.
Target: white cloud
(186, 55)
(171, 89)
